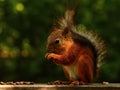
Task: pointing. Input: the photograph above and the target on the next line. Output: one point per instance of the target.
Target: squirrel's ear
(65, 31)
(54, 28)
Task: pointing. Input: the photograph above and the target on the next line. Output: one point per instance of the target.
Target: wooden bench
(111, 86)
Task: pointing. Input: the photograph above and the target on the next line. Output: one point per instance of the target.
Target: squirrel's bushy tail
(68, 20)
(99, 47)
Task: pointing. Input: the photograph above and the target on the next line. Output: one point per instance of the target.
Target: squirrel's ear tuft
(65, 31)
(54, 28)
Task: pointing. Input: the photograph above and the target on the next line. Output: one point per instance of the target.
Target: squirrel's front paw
(46, 55)
(49, 56)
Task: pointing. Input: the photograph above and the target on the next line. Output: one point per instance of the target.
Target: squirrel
(79, 52)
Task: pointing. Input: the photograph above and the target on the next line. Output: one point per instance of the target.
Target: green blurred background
(26, 24)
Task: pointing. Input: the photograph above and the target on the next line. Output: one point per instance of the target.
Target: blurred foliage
(26, 24)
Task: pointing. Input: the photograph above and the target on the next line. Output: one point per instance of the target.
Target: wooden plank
(61, 87)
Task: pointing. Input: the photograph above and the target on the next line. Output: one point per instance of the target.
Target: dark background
(26, 24)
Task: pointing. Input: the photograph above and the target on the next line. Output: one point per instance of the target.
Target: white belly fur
(71, 70)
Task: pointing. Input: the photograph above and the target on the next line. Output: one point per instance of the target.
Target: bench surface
(111, 86)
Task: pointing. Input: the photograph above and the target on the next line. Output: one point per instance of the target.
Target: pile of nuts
(16, 83)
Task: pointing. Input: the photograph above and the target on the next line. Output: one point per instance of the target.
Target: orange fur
(77, 62)
(79, 52)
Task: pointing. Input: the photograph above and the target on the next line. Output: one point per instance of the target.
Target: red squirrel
(78, 52)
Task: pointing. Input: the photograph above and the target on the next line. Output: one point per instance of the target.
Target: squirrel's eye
(57, 41)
